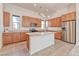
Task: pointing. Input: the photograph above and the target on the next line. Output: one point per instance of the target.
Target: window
(15, 22)
(44, 24)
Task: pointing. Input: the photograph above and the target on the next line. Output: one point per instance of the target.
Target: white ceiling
(52, 7)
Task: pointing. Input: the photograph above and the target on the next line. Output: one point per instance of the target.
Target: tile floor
(17, 49)
(59, 49)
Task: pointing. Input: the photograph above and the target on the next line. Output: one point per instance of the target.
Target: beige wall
(77, 23)
(16, 10)
(1, 23)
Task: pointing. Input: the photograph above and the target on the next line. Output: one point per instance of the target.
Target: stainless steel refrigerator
(69, 31)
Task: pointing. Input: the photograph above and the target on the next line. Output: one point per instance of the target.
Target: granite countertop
(27, 31)
(39, 33)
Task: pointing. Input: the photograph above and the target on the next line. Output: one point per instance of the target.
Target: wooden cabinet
(7, 38)
(24, 36)
(58, 35)
(26, 21)
(6, 19)
(56, 22)
(69, 16)
(14, 37)
(38, 22)
(63, 18)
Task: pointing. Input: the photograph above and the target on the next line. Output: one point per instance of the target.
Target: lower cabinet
(14, 37)
(23, 36)
(7, 38)
(58, 35)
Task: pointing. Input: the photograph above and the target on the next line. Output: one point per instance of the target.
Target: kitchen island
(40, 40)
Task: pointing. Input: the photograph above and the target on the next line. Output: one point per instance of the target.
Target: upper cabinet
(6, 19)
(69, 16)
(63, 18)
(26, 21)
(55, 22)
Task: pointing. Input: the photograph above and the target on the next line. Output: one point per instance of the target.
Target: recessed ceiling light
(48, 16)
(46, 9)
(35, 5)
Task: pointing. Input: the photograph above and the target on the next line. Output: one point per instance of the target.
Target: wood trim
(28, 42)
(32, 17)
(70, 32)
(68, 20)
(75, 32)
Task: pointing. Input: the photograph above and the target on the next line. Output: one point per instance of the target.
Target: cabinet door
(67, 17)
(7, 38)
(52, 22)
(23, 36)
(38, 22)
(63, 18)
(71, 16)
(56, 22)
(58, 35)
(26, 21)
(6, 18)
(16, 37)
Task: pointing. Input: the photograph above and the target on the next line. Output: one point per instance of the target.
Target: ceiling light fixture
(46, 9)
(42, 14)
(35, 5)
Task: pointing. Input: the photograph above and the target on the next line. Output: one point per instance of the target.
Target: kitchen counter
(40, 40)
(28, 31)
(38, 33)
